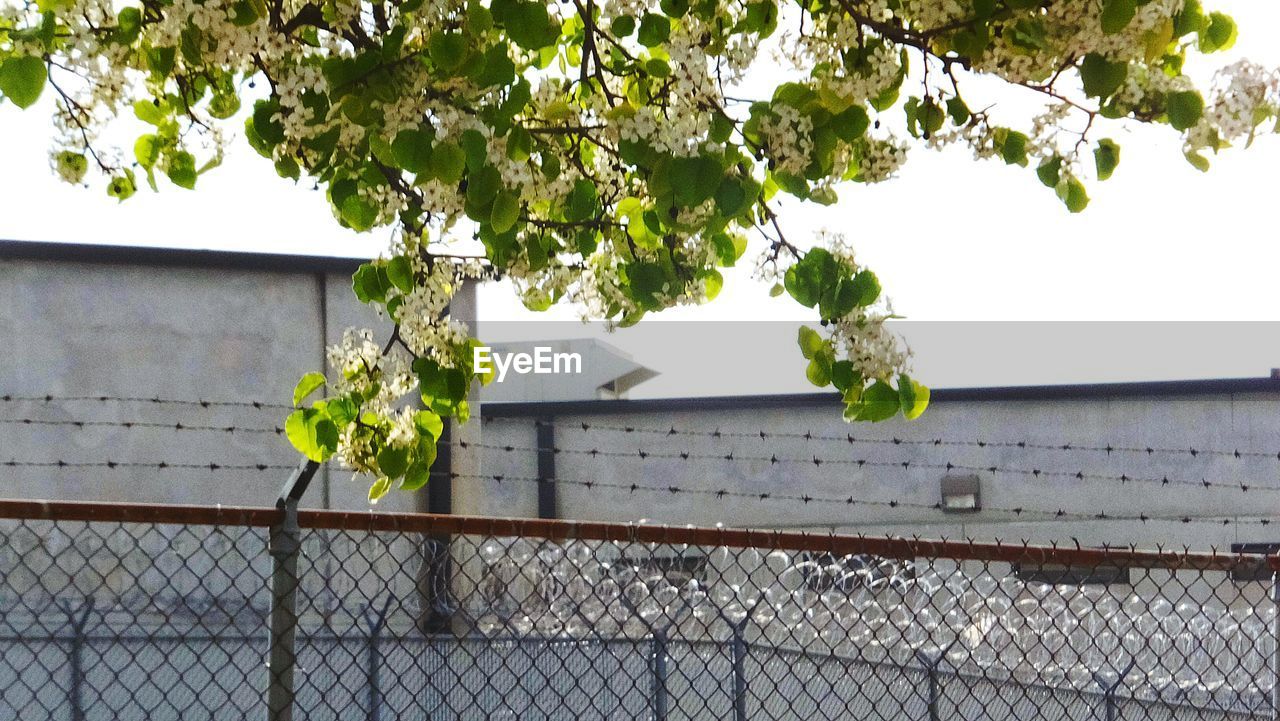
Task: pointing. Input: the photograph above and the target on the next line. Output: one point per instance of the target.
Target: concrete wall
(175, 325)
(1218, 420)
(228, 326)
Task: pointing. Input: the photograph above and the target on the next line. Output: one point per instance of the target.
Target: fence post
(935, 686)
(1109, 694)
(659, 666)
(740, 671)
(75, 659)
(373, 658)
(284, 545)
(1275, 651)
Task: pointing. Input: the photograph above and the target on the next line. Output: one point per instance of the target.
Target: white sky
(951, 239)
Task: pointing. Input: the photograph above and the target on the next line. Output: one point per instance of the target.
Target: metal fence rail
(126, 613)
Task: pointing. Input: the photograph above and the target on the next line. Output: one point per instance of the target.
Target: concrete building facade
(128, 322)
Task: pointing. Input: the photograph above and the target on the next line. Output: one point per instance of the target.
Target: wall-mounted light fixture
(961, 494)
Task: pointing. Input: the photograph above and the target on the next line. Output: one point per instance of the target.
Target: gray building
(133, 322)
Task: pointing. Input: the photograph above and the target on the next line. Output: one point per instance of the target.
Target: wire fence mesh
(131, 613)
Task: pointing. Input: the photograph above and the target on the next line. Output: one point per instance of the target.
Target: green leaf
(818, 372)
(505, 211)
(1101, 77)
(1050, 171)
(447, 163)
(270, 130)
(416, 477)
(122, 187)
(447, 50)
(393, 462)
(306, 386)
(497, 68)
(695, 180)
(1012, 145)
(654, 30)
(843, 376)
(1220, 34)
(674, 8)
(483, 186)
(851, 123)
(527, 23)
(72, 165)
(810, 341)
(429, 424)
(583, 201)
(411, 150)
(380, 488)
(444, 390)
(867, 286)
(879, 402)
(622, 26)
(1072, 193)
(149, 111)
(1198, 161)
(1189, 20)
(811, 276)
(913, 398)
(22, 79)
(371, 283)
(312, 433)
(400, 273)
(359, 212)
(1185, 108)
(1117, 14)
(147, 150)
(958, 110)
(182, 169)
(1106, 157)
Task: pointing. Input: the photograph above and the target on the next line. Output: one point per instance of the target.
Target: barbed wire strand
(150, 465)
(677, 490)
(851, 439)
(129, 425)
(157, 400)
(851, 501)
(817, 461)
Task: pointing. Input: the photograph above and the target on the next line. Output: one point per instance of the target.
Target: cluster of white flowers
(789, 136)
(823, 55)
(865, 340)
(356, 354)
(424, 327)
(1244, 95)
(862, 336)
(880, 158)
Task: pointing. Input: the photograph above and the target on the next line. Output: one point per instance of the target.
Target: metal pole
(739, 672)
(284, 545)
(436, 573)
(373, 659)
(75, 686)
(935, 693)
(546, 443)
(659, 665)
(1275, 651)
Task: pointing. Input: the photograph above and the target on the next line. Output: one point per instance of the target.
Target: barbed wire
(176, 426)
(851, 439)
(150, 465)
(817, 461)
(157, 400)
(805, 499)
(851, 502)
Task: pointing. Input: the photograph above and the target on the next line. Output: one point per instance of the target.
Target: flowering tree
(611, 154)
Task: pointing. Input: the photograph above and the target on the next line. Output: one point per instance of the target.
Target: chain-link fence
(127, 613)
